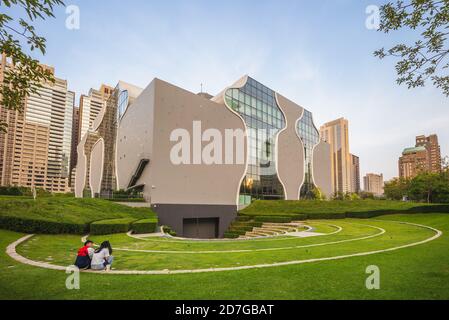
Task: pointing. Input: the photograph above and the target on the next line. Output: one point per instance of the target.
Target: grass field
(415, 272)
(67, 209)
(419, 272)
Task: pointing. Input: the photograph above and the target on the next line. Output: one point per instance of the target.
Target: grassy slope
(286, 208)
(415, 273)
(68, 210)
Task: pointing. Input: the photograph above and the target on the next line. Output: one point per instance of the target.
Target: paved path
(11, 251)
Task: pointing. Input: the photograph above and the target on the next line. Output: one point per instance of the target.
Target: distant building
(90, 106)
(355, 174)
(336, 133)
(374, 183)
(35, 152)
(424, 157)
(75, 141)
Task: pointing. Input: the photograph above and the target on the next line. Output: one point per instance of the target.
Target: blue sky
(317, 53)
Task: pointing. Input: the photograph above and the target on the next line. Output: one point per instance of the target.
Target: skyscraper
(374, 183)
(336, 134)
(355, 174)
(36, 149)
(424, 157)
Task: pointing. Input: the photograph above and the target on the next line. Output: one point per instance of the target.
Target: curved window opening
(258, 107)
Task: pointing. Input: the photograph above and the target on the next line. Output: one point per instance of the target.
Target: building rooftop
(413, 150)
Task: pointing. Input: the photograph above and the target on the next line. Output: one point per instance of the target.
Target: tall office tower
(424, 157)
(90, 106)
(355, 174)
(374, 183)
(336, 134)
(7, 140)
(98, 144)
(36, 149)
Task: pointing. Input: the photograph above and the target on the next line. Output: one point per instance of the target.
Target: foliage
(23, 191)
(25, 75)
(318, 194)
(144, 226)
(111, 226)
(427, 58)
(169, 230)
(27, 225)
(396, 189)
(425, 187)
(364, 195)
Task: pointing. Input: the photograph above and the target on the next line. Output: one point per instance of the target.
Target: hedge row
(111, 226)
(144, 226)
(41, 226)
(326, 216)
(280, 219)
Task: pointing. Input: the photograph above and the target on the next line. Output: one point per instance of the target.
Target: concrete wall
(322, 170)
(290, 162)
(185, 190)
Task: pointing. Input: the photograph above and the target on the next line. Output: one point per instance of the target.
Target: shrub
(41, 226)
(144, 226)
(111, 226)
(231, 235)
(280, 219)
(168, 230)
(318, 216)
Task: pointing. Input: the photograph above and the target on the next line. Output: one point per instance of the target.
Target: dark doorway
(201, 228)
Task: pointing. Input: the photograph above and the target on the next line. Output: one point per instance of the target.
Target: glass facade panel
(257, 106)
(310, 137)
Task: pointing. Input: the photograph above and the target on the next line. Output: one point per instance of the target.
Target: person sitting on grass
(102, 258)
(85, 255)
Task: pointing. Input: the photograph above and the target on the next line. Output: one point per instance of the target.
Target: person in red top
(84, 256)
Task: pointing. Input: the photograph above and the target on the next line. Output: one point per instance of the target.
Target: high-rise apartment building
(355, 174)
(424, 157)
(90, 106)
(336, 134)
(75, 141)
(374, 183)
(35, 152)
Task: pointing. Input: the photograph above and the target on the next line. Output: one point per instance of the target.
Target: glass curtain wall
(310, 137)
(264, 119)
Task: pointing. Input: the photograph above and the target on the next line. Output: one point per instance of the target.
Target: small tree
(425, 186)
(24, 75)
(396, 189)
(427, 58)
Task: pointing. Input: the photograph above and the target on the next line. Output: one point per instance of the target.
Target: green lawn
(68, 209)
(420, 272)
(47, 213)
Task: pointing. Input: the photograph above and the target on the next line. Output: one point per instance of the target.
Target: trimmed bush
(168, 230)
(319, 216)
(111, 226)
(41, 226)
(144, 226)
(274, 219)
(231, 235)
